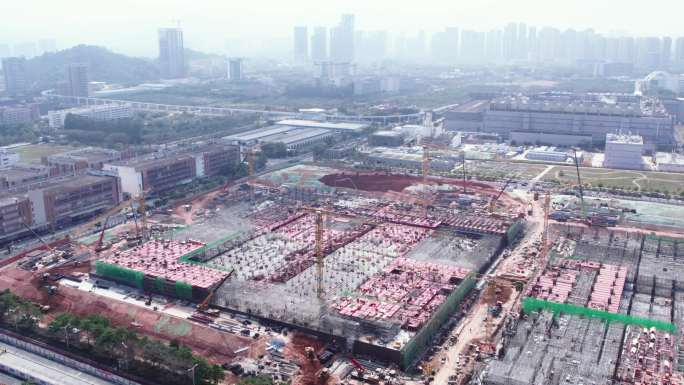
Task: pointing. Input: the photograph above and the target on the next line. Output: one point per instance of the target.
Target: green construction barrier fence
(533, 304)
(422, 339)
(514, 231)
(120, 274)
(183, 290)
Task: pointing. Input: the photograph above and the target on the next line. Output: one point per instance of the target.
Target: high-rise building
(649, 53)
(342, 40)
(494, 46)
(679, 53)
(235, 69)
(4, 51)
(521, 46)
(472, 46)
(319, 44)
(510, 41)
(16, 76)
(549, 44)
(301, 44)
(171, 54)
(666, 56)
(444, 45)
(27, 50)
(47, 45)
(77, 79)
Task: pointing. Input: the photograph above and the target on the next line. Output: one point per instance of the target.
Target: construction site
(401, 278)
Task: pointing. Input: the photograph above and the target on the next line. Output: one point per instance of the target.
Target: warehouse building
(294, 138)
(352, 128)
(466, 117)
(166, 171)
(624, 151)
(547, 154)
(81, 160)
(8, 158)
(409, 158)
(579, 119)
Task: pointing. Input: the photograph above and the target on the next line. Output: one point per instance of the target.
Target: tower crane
(496, 198)
(579, 184)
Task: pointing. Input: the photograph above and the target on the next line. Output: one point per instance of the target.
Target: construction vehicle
(99, 245)
(310, 353)
(496, 198)
(202, 307)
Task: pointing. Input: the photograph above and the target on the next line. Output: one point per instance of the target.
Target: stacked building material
(608, 288)
(554, 285)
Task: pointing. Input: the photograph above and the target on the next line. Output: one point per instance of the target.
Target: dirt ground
(216, 346)
(309, 369)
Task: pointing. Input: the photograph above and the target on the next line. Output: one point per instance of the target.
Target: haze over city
(341, 192)
(129, 27)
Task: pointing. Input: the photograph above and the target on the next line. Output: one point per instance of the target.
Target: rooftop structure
(80, 160)
(624, 151)
(102, 112)
(339, 127)
(292, 137)
(408, 158)
(19, 176)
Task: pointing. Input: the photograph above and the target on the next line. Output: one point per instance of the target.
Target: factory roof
(258, 134)
(624, 138)
(296, 135)
(19, 171)
(388, 133)
(70, 183)
(328, 125)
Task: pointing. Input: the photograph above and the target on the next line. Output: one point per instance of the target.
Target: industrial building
(337, 127)
(17, 115)
(66, 201)
(15, 215)
(8, 158)
(579, 119)
(407, 158)
(624, 151)
(20, 176)
(101, 112)
(164, 171)
(547, 154)
(80, 160)
(669, 162)
(466, 117)
(293, 137)
(386, 138)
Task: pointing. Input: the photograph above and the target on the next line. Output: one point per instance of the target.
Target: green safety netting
(533, 304)
(158, 284)
(514, 231)
(183, 290)
(120, 274)
(422, 339)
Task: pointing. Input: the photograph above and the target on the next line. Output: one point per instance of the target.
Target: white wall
(131, 179)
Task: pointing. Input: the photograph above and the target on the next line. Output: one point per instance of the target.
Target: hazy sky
(129, 26)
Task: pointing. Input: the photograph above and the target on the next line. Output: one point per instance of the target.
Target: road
(44, 370)
(472, 327)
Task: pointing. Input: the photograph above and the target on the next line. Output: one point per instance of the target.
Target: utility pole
(192, 371)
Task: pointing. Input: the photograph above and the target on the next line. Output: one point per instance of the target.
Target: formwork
(423, 338)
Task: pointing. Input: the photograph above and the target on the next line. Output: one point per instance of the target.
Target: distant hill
(103, 65)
